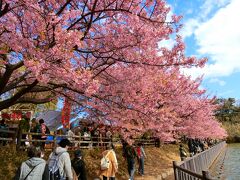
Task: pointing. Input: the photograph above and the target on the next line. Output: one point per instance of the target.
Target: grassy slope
(157, 161)
(233, 131)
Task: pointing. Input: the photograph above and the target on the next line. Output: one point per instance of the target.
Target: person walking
(44, 130)
(141, 156)
(130, 154)
(3, 126)
(109, 164)
(183, 153)
(70, 135)
(24, 127)
(35, 168)
(59, 160)
(78, 165)
(191, 147)
(33, 129)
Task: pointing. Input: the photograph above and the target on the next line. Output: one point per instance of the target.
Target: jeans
(141, 165)
(131, 168)
(110, 178)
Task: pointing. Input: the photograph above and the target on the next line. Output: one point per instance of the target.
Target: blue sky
(211, 29)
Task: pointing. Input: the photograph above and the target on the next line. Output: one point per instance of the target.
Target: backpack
(130, 152)
(54, 172)
(105, 162)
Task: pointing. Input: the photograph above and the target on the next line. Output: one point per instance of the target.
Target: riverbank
(158, 164)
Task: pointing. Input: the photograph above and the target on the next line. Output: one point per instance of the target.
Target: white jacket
(64, 162)
(36, 174)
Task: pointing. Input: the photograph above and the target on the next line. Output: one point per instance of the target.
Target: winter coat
(113, 166)
(40, 172)
(130, 153)
(70, 135)
(64, 162)
(183, 152)
(79, 167)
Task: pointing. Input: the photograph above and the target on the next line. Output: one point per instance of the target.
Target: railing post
(206, 175)
(19, 138)
(54, 140)
(14, 137)
(174, 169)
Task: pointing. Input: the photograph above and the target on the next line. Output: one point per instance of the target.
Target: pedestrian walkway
(165, 175)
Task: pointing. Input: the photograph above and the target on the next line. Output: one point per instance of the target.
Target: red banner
(66, 111)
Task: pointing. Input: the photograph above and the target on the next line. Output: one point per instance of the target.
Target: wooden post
(54, 140)
(14, 137)
(175, 169)
(206, 175)
(19, 138)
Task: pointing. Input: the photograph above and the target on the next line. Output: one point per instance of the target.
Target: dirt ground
(158, 161)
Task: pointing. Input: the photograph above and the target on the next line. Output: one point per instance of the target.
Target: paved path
(167, 175)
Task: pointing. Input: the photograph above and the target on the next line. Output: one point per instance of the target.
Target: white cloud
(209, 5)
(218, 81)
(170, 13)
(189, 27)
(167, 43)
(219, 39)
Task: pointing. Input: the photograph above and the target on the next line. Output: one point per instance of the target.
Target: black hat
(65, 142)
(78, 153)
(41, 121)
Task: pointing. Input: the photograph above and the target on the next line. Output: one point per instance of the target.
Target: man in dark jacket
(3, 126)
(24, 127)
(79, 165)
(131, 155)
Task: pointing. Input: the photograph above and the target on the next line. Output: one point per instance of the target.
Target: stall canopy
(52, 119)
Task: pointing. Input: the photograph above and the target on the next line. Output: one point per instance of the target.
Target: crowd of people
(195, 146)
(36, 132)
(92, 134)
(59, 165)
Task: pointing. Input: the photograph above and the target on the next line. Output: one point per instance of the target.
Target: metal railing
(196, 167)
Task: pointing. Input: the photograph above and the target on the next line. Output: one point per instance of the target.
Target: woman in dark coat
(79, 165)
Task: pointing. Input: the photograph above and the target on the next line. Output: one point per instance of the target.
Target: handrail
(92, 140)
(193, 167)
(189, 172)
(7, 131)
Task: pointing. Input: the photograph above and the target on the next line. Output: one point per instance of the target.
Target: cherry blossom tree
(103, 55)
